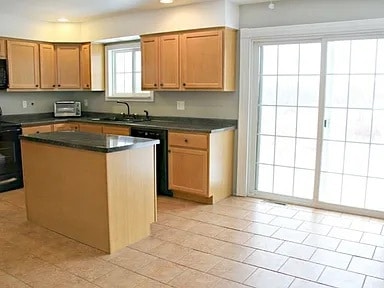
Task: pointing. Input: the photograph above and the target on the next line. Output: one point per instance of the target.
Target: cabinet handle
(53, 85)
(161, 84)
(186, 140)
(169, 151)
(87, 85)
(37, 85)
(155, 85)
(59, 85)
(184, 84)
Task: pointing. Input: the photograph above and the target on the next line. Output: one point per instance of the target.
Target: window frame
(110, 74)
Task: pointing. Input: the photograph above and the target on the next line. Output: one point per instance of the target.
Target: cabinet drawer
(190, 140)
(37, 129)
(117, 130)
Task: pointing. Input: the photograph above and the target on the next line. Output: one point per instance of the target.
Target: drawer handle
(186, 140)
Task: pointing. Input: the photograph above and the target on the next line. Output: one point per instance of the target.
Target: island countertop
(91, 141)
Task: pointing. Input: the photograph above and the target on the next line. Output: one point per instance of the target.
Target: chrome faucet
(128, 108)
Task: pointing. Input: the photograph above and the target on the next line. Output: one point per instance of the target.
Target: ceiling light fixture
(271, 5)
(166, 1)
(62, 19)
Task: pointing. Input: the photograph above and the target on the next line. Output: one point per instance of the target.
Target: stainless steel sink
(118, 119)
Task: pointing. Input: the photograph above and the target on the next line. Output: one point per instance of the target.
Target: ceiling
(85, 10)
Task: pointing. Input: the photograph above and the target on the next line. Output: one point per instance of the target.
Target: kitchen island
(97, 189)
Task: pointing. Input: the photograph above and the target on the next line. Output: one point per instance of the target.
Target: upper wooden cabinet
(160, 62)
(192, 60)
(85, 66)
(47, 66)
(3, 49)
(23, 65)
(208, 59)
(68, 66)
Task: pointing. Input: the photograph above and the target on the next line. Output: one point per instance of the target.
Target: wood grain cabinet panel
(47, 66)
(108, 129)
(200, 165)
(3, 49)
(92, 128)
(23, 65)
(150, 62)
(37, 129)
(66, 127)
(68, 66)
(169, 62)
(85, 66)
(208, 59)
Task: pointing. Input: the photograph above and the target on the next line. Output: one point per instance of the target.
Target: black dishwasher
(161, 156)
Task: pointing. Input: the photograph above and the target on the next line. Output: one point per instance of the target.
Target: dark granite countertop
(91, 141)
(167, 123)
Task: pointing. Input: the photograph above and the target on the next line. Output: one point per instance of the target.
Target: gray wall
(11, 102)
(197, 104)
(288, 12)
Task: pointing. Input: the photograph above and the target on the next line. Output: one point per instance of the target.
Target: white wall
(206, 14)
(288, 12)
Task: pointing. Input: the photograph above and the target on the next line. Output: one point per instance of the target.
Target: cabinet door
(3, 49)
(68, 66)
(149, 62)
(85, 66)
(37, 129)
(65, 127)
(169, 62)
(47, 66)
(23, 65)
(188, 170)
(202, 60)
(117, 130)
(91, 128)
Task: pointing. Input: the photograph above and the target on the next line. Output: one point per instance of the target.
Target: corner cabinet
(3, 49)
(160, 62)
(200, 165)
(190, 60)
(23, 65)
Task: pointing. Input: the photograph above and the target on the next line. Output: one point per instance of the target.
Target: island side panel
(131, 195)
(66, 191)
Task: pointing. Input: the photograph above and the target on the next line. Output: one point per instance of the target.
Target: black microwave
(3, 74)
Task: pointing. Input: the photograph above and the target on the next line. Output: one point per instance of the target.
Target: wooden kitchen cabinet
(208, 59)
(200, 165)
(109, 129)
(47, 66)
(37, 129)
(66, 127)
(3, 49)
(23, 65)
(160, 62)
(86, 66)
(150, 62)
(190, 60)
(68, 66)
(92, 128)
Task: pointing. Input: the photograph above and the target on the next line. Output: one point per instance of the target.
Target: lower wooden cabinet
(126, 131)
(66, 127)
(37, 129)
(92, 128)
(200, 165)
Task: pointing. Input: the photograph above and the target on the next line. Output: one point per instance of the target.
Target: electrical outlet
(180, 105)
(86, 102)
(25, 104)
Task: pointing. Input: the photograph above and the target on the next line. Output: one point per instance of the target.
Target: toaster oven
(67, 109)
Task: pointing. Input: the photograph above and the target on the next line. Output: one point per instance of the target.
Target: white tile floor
(239, 242)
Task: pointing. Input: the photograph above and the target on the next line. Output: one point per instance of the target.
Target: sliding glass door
(288, 119)
(320, 123)
(353, 142)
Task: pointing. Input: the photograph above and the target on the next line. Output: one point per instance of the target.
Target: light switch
(180, 105)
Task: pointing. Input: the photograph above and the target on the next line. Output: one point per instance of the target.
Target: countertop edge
(89, 148)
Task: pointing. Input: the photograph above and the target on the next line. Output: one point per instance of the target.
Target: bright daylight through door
(352, 150)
